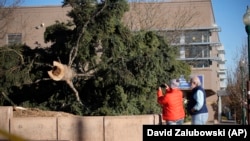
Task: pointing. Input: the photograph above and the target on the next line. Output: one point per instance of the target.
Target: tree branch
(8, 99)
(74, 50)
(71, 85)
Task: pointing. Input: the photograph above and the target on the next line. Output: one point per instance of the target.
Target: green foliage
(133, 65)
(14, 69)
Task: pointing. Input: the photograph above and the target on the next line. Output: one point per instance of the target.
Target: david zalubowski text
(185, 132)
(228, 132)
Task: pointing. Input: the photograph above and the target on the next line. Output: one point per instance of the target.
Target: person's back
(172, 105)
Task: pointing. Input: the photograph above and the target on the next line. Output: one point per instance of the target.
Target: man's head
(174, 83)
(194, 82)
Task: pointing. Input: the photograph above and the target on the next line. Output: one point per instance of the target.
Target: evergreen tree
(117, 70)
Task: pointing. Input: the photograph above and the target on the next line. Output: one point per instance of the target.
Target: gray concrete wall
(79, 128)
(34, 128)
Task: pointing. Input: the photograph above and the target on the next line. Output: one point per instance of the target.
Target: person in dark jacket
(196, 105)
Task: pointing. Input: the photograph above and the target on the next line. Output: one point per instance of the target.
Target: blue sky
(228, 16)
(41, 2)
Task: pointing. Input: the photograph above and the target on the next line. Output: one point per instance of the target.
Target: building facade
(188, 25)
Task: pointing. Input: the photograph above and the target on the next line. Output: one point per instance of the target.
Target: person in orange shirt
(172, 103)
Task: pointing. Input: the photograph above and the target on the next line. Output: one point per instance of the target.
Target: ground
(34, 112)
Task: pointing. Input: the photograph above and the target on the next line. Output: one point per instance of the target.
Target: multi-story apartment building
(188, 25)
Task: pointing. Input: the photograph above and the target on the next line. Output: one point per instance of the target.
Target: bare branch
(71, 85)
(87, 76)
(43, 64)
(160, 16)
(6, 14)
(44, 79)
(37, 81)
(8, 99)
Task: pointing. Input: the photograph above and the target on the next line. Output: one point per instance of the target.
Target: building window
(199, 36)
(14, 38)
(199, 63)
(197, 51)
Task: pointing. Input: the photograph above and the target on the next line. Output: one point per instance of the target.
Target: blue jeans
(199, 119)
(176, 122)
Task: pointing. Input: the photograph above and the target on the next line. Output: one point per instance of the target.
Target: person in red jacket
(172, 103)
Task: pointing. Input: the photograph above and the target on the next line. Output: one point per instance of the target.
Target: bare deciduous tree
(160, 16)
(6, 10)
(237, 77)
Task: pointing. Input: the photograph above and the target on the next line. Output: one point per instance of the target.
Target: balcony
(213, 44)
